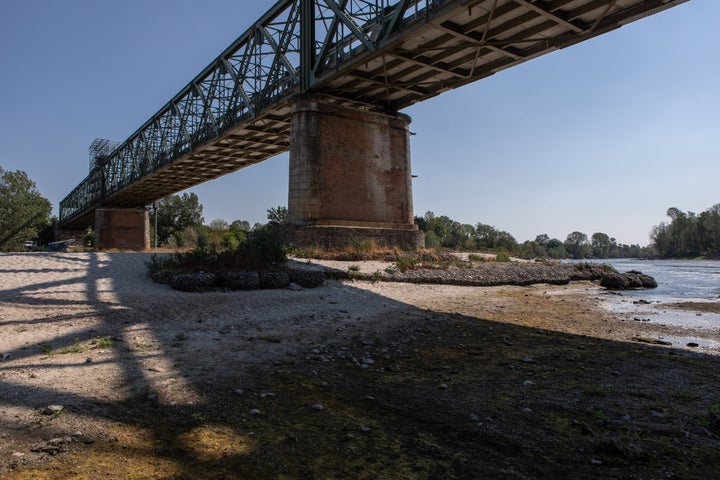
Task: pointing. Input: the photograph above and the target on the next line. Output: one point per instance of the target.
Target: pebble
(528, 383)
(267, 394)
(365, 429)
(527, 410)
(254, 412)
(595, 461)
(443, 386)
(528, 360)
(317, 407)
(53, 409)
(368, 361)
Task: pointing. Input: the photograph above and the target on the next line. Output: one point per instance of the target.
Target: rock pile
(627, 280)
(245, 280)
(483, 275)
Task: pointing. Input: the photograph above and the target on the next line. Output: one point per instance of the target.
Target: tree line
(688, 235)
(444, 232)
(177, 222)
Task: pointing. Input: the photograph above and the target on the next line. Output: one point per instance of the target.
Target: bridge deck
(386, 58)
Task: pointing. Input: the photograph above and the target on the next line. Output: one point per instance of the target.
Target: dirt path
(353, 379)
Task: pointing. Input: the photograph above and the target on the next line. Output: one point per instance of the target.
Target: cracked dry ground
(467, 383)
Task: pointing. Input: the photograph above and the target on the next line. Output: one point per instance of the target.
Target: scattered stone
(266, 394)
(239, 391)
(365, 429)
(368, 361)
(254, 412)
(595, 461)
(528, 383)
(53, 409)
(528, 360)
(442, 386)
(317, 407)
(527, 410)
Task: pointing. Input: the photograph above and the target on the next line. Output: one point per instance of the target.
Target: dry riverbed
(353, 379)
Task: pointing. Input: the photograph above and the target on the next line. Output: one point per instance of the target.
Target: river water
(678, 281)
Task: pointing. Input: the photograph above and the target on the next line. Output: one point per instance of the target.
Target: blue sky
(603, 136)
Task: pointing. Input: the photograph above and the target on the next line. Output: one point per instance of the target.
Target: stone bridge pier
(350, 176)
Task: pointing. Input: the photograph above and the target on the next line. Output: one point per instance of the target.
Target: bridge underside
(445, 45)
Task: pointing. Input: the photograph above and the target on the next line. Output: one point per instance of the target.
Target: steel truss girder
(346, 48)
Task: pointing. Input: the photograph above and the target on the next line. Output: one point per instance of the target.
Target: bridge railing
(288, 50)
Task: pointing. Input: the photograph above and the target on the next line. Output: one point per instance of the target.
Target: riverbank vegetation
(442, 232)
(688, 235)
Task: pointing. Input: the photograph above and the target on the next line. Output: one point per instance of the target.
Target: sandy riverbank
(359, 379)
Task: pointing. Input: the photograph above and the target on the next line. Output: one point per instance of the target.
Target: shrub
(502, 257)
(262, 250)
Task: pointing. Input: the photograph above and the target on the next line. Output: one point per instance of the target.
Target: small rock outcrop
(628, 280)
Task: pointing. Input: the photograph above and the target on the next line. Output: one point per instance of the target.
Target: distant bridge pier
(122, 228)
(350, 176)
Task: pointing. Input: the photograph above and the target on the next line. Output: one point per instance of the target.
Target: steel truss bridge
(381, 54)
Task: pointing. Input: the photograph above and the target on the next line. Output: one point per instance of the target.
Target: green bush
(502, 257)
(261, 250)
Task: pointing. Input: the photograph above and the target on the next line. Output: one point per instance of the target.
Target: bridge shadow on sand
(323, 383)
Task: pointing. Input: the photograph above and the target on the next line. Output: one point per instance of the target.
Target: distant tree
(219, 225)
(542, 239)
(688, 235)
(601, 244)
(277, 216)
(24, 213)
(242, 225)
(489, 237)
(577, 245)
(175, 215)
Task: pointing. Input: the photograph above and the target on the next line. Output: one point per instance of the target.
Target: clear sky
(603, 136)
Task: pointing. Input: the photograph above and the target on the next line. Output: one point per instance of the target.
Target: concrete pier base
(122, 229)
(350, 176)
